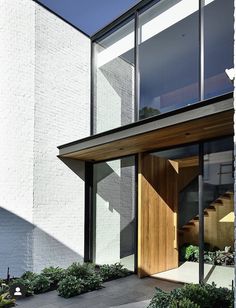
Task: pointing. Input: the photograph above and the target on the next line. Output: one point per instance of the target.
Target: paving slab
(128, 292)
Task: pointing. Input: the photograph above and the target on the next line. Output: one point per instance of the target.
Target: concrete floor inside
(188, 273)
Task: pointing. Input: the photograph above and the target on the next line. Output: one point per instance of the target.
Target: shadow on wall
(18, 240)
(75, 165)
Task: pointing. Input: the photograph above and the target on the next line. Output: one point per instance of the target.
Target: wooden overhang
(202, 121)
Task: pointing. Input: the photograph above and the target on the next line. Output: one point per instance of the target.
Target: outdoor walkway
(129, 292)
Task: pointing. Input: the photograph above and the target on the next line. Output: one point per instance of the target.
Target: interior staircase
(217, 233)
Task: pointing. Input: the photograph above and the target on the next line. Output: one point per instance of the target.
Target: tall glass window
(168, 56)
(168, 61)
(114, 78)
(219, 46)
(114, 212)
(219, 212)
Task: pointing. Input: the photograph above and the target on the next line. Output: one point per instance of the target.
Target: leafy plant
(184, 303)
(192, 253)
(113, 271)
(93, 282)
(223, 258)
(6, 301)
(4, 288)
(29, 276)
(70, 286)
(194, 296)
(26, 283)
(81, 270)
(54, 274)
(41, 284)
(161, 299)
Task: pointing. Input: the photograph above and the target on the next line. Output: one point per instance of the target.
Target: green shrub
(29, 276)
(54, 274)
(92, 282)
(41, 284)
(80, 270)
(192, 253)
(70, 286)
(6, 301)
(213, 256)
(194, 295)
(161, 299)
(4, 288)
(184, 303)
(113, 271)
(26, 283)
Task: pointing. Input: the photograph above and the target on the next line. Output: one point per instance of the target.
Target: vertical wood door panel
(157, 214)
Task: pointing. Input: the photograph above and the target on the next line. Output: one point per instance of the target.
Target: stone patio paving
(129, 292)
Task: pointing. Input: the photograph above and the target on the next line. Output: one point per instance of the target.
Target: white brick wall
(62, 113)
(44, 99)
(17, 64)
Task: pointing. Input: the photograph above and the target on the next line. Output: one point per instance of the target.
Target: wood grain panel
(216, 125)
(157, 225)
(216, 233)
(186, 175)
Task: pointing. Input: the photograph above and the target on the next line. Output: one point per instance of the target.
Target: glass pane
(114, 79)
(186, 162)
(219, 46)
(168, 53)
(114, 210)
(219, 212)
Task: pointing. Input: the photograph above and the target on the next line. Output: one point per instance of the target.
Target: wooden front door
(157, 214)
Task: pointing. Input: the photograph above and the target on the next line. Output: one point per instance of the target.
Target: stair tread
(211, 208)
(225, 196)
(190, 223)
(218, 202)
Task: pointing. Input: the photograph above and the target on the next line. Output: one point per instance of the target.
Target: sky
(89, 15)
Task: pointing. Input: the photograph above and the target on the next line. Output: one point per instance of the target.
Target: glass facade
(218, 46)
(168, 57)
(114, 78)
(114, 212)
(153, 66)
(218, 202)
(217, 198)
(150, 65)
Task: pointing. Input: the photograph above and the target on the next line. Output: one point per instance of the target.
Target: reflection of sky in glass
(169, 60)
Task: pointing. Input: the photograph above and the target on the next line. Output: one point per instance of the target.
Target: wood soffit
(207, 127)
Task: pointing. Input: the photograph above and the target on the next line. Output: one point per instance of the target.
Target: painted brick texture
(45, 102)
(17, 63)
(62, 114)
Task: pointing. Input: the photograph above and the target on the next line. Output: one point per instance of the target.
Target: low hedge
(113, 271)
(194, 296)
(76, 279)
(72, 285)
